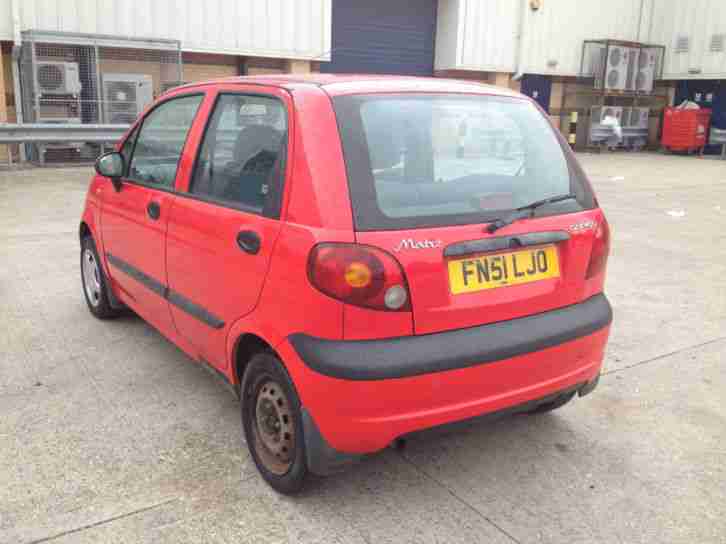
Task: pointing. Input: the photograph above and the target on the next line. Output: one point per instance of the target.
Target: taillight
(359, 275)
(600, 250)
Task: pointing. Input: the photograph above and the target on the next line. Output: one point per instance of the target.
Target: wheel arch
(84, 231)
(245, 347)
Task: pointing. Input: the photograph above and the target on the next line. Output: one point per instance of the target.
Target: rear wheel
(94, 282)
(272, 424)
(553, 404)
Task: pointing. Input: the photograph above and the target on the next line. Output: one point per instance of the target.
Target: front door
(134, 220)
(223, 229)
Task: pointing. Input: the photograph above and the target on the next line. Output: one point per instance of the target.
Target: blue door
(383, 37)
(538, 87)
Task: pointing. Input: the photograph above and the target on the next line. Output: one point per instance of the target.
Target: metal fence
(82, 79)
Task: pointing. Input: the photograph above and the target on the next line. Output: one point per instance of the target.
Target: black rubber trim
(178, 300)
(415, 355)
(194, 310)
(505, 242)
(133, 272)
(321, 457)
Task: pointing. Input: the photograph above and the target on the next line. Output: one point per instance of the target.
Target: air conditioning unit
(627, 116)
(645, 69)
(616, 68)
(640, 117)
(598, 113)
(125, 96)
(57, 77)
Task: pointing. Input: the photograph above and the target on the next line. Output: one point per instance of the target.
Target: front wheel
(272, 424)
(94, 282)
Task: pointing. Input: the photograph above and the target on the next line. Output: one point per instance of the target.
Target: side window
(241, 160)
(161, 140)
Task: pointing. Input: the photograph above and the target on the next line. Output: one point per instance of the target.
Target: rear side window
(435, 160)
(161, 140)
(241, 160)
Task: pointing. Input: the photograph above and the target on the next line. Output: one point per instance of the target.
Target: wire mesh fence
(91, 79)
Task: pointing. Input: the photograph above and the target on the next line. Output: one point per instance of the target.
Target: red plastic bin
(685, 130)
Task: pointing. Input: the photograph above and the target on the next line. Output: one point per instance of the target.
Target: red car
(362, 257)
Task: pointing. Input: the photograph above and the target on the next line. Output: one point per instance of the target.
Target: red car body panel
(365, 416)
(192, 251)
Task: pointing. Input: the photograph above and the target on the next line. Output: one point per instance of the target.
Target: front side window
(161, 140)
(241, 159)
(435, 160)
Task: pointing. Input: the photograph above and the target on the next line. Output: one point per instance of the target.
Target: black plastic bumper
(415, 355)
(321, 457)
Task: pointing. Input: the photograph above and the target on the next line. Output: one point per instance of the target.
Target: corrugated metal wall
(699, 22)
(276, 28)
(555, 32)
(477, 35)
(483, 35)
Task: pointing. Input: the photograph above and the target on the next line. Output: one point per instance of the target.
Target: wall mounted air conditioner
(125, 96)
(616, 68)
(645, 69)
(598, 113)
(57, 77)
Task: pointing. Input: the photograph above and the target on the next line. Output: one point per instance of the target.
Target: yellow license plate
(514, 268)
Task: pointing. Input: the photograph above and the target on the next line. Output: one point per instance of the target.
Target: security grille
(717, 43)
(91, 79)
(683, 44)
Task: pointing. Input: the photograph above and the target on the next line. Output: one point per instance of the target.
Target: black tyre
(553, 404)
(93, 282)
(273, 424)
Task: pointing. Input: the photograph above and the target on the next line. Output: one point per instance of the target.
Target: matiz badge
(410, 243)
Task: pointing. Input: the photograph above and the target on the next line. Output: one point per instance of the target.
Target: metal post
(99, 91)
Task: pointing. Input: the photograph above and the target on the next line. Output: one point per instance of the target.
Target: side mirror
(111, 165)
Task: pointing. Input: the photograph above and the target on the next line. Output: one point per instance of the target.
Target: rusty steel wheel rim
(274, 428)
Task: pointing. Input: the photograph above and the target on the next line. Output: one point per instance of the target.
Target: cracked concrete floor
(108, 433)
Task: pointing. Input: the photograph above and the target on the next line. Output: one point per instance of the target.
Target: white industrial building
(535, 45)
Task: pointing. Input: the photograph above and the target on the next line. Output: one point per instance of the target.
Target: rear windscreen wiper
(526, 211)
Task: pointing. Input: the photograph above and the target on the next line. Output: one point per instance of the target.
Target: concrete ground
(108, 433)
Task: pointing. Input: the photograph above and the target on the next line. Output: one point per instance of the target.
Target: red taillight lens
(360, 275)
(600, 250)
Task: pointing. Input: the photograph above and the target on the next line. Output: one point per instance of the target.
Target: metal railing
(40, 133)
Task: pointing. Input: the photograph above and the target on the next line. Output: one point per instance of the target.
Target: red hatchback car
(361, 257)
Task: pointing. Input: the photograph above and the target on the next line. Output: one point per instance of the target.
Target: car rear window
(418, 160)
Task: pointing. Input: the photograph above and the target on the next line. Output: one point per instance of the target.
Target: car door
(134, 219)
(222, 230)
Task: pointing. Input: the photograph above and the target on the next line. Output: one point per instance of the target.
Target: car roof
(337, 84)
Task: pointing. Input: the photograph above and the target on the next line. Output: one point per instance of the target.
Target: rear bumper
(502, 366)
(415, 355)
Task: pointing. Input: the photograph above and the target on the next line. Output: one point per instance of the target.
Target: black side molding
(415, 355)
(178, 300)
(505, 242)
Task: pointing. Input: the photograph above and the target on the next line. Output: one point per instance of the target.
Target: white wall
(477, 35)
(556, 31)
(275, 28)
(699, 21)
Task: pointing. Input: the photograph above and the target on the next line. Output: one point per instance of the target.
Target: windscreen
(433, 160)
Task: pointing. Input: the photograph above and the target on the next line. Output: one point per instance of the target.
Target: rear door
(224, 225)
(428, 173)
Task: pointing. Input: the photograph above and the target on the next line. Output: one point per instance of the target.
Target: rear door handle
(154, 210)
(249, 241)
